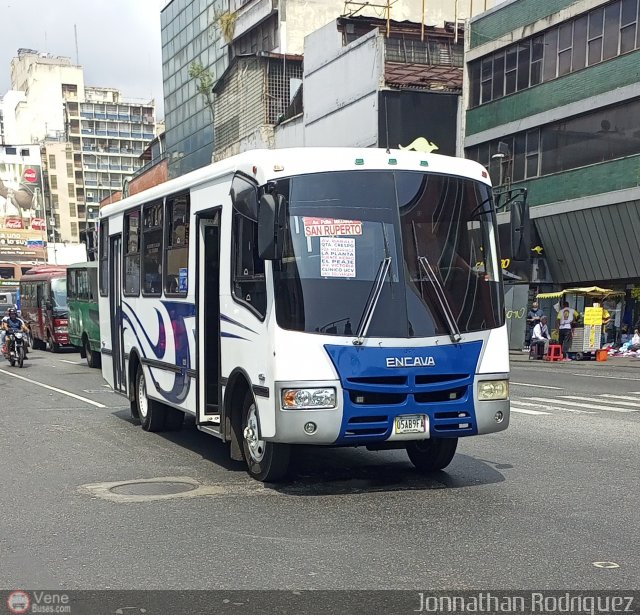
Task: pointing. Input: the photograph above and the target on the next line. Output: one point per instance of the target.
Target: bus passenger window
(104, 258)
(249, 285)
(177, 262)
(132, 254)
(152, 249)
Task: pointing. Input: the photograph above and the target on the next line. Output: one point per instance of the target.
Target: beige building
(91, 137)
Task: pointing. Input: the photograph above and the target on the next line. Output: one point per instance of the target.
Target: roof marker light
(278, 167)
(424, 163)
(255, 170)
(359, 161)
(393, 161)
(484, 174)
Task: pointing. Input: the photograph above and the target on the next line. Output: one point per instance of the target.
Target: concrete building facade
(553, 105)
(214, 33)
(410, 90)
(92, 137)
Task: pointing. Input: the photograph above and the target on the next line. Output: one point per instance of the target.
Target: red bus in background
(14, 271)
(43, 300)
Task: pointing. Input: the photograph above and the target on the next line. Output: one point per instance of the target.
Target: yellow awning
(589, 291)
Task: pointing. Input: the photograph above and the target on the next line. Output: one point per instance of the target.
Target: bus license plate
(411, 423)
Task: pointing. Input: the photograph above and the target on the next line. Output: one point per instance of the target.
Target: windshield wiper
(372, 300)
(445, 307)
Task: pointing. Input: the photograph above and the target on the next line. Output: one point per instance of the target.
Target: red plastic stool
(554, 353)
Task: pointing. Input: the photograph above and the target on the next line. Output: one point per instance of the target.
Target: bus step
(210, 430)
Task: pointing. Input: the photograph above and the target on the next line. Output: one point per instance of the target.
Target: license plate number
(415, 423)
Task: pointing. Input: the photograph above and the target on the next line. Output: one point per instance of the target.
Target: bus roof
(87, 265)
(44, 272)
(267, 165)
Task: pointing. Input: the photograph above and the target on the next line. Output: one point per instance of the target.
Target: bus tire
(266, 461)
(51, 345)
(151, 413)
(432, 455)
(174, 419)
(93, 358)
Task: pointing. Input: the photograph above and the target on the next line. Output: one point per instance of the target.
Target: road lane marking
(538, 386)
(608, 377)
(548, 407)
(637, 400)
(71, 362)
(582, 405)
(526, 403)
(62, 391)
(524, 411)
(619, 403)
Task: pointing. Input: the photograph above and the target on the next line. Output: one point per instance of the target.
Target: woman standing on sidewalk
(568, 318)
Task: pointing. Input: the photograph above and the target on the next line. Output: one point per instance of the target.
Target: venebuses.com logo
(18, 602)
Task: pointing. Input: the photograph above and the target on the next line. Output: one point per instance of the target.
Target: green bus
(84, 320)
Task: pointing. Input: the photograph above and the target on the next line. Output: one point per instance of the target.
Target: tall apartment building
(92, 137)
(108, 133)
(553, 105)
(215, 33)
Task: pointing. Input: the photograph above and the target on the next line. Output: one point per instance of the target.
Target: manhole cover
(153, 488)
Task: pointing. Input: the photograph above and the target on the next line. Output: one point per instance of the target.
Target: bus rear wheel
(93, 358)
(432, 455)
(153, 415)
(51, 345)
(266, 461)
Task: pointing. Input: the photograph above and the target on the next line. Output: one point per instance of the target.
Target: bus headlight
(493, 389)
(294, 399)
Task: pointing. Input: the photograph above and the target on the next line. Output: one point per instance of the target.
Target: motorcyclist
(10, 324)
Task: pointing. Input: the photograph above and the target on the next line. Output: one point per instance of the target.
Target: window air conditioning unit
(90, 195)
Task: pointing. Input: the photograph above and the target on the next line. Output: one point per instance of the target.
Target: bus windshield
(59, 293)
(439, 232)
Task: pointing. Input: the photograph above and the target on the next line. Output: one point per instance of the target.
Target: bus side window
(152, 236)
(248, 279)
(177, 245)
(71, 284)
(82, 285)
(132, 254)
(104, 258)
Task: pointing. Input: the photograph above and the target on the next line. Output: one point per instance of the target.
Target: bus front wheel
(266, 461)
(432, 455)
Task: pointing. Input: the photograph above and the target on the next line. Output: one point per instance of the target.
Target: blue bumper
(380, 384)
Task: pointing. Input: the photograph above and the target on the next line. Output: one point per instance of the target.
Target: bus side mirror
(270, 227)
(520, 230)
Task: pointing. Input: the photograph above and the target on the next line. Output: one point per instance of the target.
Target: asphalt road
(534, 507)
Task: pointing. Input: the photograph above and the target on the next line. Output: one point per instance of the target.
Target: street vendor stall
(586, 337)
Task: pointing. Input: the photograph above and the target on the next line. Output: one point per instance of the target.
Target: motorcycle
(15, 348)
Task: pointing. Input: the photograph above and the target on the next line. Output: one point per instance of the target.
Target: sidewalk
(519, 356)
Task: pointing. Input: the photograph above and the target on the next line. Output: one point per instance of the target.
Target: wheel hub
(255, 445)
(142, 396)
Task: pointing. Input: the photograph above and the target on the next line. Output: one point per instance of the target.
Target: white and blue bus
(320, 296)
